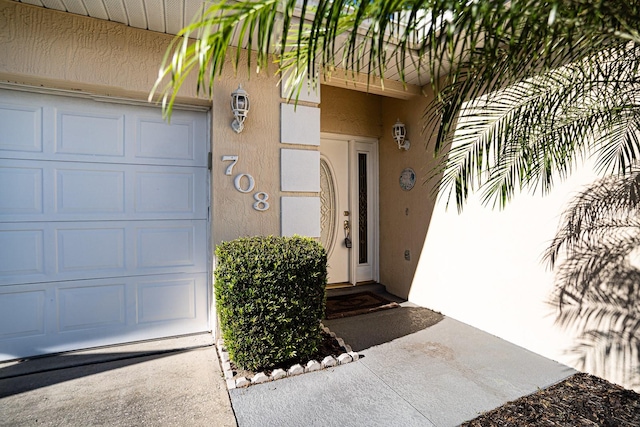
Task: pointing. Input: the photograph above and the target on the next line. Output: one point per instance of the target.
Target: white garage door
(103, 223)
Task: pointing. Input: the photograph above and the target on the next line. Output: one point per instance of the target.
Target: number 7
(233, 159)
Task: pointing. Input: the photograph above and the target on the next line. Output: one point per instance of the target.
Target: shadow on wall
(596, 258)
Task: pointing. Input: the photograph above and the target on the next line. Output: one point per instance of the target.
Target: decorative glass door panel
(335, 210)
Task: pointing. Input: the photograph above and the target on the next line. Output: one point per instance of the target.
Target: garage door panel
(169, 246)
(165, 192)
(22, 314)
(125, 309)
(22, 253)
(158, 140)
(166, 247)
(21, 190)
(91, 307)
(164, 300)
(91, 249)
(21, 128)
(67, 191)
(90, 134)
(90, 191)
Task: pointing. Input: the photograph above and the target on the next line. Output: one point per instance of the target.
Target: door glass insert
(327, 207)
(362, 209)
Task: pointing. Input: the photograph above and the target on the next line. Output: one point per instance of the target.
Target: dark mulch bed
(580, 400)
(328, 347)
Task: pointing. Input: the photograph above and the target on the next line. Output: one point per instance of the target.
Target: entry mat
(354, 304)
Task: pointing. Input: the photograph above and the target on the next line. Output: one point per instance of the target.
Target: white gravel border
(313, 365)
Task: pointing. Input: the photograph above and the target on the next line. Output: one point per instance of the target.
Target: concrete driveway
(175, 382)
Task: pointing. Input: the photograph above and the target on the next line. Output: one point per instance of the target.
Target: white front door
(349, 208)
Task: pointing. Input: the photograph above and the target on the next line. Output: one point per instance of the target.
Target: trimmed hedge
(270, 297)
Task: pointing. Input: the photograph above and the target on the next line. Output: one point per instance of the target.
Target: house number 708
(246, 185)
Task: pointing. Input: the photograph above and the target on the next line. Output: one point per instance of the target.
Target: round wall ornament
(407, 179)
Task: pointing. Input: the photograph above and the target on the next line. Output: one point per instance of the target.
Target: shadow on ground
(32, 374)
(368, 330)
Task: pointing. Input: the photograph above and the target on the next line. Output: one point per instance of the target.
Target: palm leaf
(526, 135)
(483, 47)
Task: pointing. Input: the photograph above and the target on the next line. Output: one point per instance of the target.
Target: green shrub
(270, 297)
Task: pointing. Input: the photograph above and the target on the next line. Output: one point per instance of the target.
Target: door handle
(347, 234)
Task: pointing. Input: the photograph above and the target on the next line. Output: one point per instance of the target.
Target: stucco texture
(54, 49)
(404, 215)
(349, 112)
(45, 48)
(258, 151)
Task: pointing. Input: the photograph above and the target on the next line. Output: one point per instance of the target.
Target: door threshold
(340, 285)
(350, 285)
(374, 287)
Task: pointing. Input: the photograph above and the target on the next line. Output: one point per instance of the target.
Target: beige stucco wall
(55, 49)
(484, 267)
(258, 148)
(40, 47)
(349, 112)
(404, 215)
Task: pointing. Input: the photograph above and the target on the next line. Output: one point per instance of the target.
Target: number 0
(238, 183)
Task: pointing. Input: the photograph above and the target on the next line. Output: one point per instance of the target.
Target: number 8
(261, 203)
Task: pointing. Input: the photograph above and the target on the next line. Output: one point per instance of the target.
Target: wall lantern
(399, 135)
(240, 108)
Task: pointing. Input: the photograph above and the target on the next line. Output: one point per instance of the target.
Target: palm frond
(495, 51)
(203, 45)
(529, 133)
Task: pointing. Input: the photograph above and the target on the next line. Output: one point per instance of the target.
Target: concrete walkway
(174, 382)
(416, 370)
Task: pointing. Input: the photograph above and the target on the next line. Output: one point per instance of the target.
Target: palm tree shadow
(596, 258)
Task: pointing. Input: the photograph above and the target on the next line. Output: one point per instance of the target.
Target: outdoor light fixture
(240, 108)
(399, 134)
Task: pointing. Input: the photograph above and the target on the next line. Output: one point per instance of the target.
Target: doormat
(355, 304)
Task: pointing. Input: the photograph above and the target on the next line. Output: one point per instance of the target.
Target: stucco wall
(258, 148)
(55, 49)
(484, 267)
(46, 48)
(350, 112)
(404, 215)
